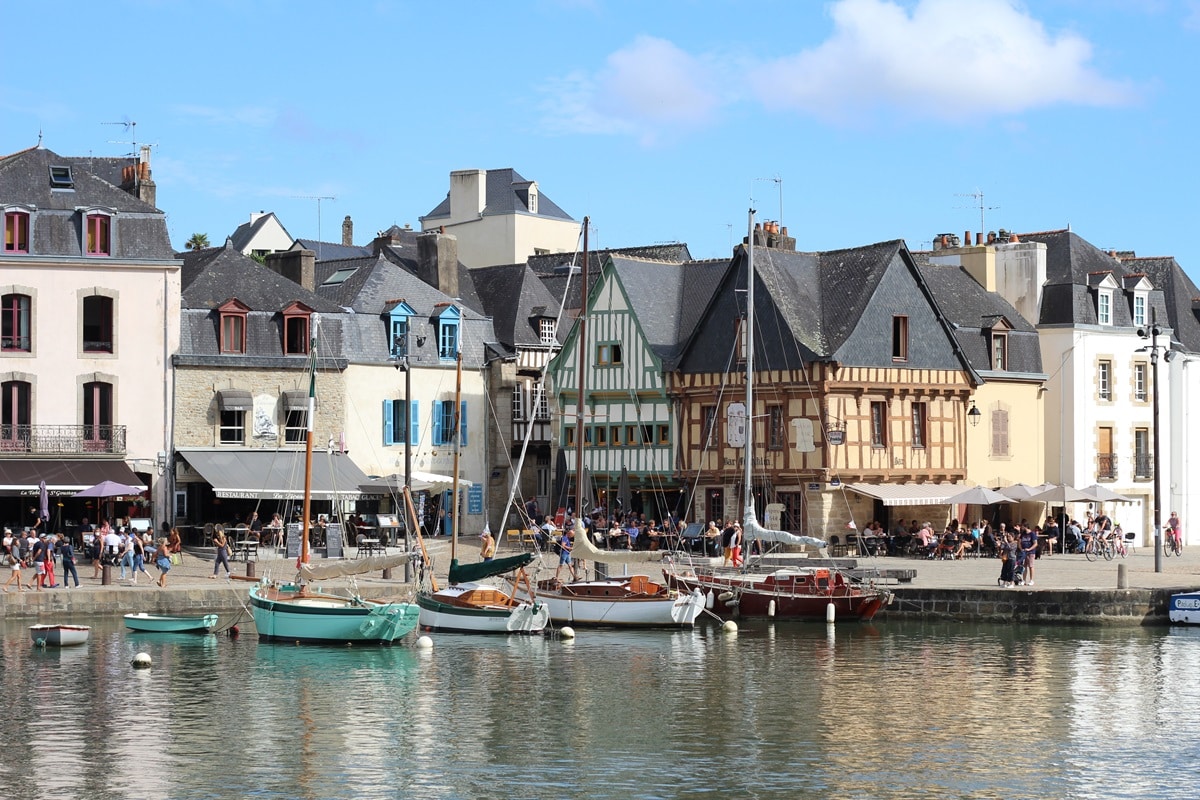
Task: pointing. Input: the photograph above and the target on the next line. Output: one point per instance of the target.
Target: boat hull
(289, 615)
(59, 635)
(151, 623)
(437, 615)
(779, 595)
(1185, 608)
(675, 610)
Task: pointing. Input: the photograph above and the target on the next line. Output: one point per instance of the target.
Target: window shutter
(437, 424)
(462, 424)
(388, 433)
(414, 423)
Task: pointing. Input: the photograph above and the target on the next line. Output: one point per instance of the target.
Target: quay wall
(1046, 606)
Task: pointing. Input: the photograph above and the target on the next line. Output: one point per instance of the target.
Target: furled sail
(465, 573)
(583, 548)
(344, 569)
(752, 530)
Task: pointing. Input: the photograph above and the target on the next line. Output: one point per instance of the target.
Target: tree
(199, 241)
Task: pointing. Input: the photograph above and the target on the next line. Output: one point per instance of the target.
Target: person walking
(564, 554)
(163, 562)
(51, 540)
(37, 552)
(127, 555)
(735, 544)
(1029, 545)
(139, 559)
(67, 553)
(12, 547)
(222, 546)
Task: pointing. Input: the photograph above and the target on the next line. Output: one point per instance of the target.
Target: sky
(849, 121)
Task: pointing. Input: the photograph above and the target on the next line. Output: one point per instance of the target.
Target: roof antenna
(978, 196)
(129, 127)
(318, 198)
(39, 139)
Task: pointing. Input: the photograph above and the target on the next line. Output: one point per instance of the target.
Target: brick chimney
(136, 180)
(384, 239)
(437, 261)
(348, 231)
(295, 265)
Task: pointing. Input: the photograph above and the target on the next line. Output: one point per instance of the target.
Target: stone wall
(1067, 606)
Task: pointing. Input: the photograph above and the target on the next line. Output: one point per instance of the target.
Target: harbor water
(895, 710)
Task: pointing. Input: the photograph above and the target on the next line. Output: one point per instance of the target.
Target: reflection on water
(781, 710)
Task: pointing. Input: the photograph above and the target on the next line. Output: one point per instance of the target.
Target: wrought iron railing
(62, 439)
(1143, 466)
(1106, 467)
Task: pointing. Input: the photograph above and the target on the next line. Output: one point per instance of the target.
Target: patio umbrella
(43, 502)
(1101, 494)
(110, 489)
(1018, 492)
(978, 496)
(624, 492)
(1059, 494)
(559, 499)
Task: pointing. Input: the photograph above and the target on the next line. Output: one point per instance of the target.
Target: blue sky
(662, 121)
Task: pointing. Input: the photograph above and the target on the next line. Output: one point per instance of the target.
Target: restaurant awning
(276, 474)
(234, 400)
(908, 494)
(63, 477)
(295, 400)
(421, 482)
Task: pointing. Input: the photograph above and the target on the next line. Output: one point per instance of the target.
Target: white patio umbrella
(1104, 495)
(1018, 492)
(1059, 494)
(978, 496)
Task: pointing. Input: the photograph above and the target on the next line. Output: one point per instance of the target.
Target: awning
(421, 482)
(234, 400)
(295, 400)
(276, 474)
(908, 494)
(63, 477)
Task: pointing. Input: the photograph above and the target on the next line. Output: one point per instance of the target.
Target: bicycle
(1099, 547)
(1171, 544)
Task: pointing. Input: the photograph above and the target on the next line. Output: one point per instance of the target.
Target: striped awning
(908, 494)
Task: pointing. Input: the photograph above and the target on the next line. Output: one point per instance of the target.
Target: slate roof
(1181, 298)
(551, 269)
(514, 297)
(139, 230)
(245, 233)
(331, 250)
(972, 310)
(1073, 267)
(501, 197)
(212, 275)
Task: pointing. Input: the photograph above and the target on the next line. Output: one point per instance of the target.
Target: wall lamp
(974, 415)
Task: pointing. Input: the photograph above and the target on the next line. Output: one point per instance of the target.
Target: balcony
(62, 440)
(1106, 467)
(1143, 466)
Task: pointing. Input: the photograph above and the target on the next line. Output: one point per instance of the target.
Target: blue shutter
(437, 424)
(462, 424)
(414, 424)
(387, 423)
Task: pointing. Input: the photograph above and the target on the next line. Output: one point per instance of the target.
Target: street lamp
(1152, 333)
(400, 361)
(974, 414)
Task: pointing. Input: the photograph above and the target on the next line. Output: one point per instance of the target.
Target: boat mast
(580, 364)
(749, 343)
(457, 439)
(308, 437)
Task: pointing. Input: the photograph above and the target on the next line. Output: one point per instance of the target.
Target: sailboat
(623, 601)
(295, 611)
(467, 605)
(801, 592)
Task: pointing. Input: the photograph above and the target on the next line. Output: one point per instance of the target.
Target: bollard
(387, 574)
(249, 569)
(106, 575)
(1122, 578)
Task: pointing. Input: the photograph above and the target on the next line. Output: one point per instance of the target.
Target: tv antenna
(129, 127)
(318, 198)
(977, 195)
(778, 181)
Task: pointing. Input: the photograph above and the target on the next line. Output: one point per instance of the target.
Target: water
(895, 710)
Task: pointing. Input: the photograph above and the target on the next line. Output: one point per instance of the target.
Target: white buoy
(723, 596)
(566, 632)
(830, 613)
(141, 661)
(708, 600)
(424, 643)
(730, 626)
(771, 609)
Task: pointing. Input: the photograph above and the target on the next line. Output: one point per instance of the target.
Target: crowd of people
(105, 545)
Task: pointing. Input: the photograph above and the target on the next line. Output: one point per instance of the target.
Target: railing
(1143, 466)
(20, 344)
(98, 347)
(1106, 467)
(62, 439)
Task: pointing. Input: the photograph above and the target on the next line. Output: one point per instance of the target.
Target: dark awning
(234, 400)
(276, 474)
(20, 476)
(295, 400)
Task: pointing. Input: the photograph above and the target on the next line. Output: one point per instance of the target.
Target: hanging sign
(735, 425)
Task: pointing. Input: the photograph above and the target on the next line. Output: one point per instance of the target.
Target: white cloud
(251, 116)
(953, 59)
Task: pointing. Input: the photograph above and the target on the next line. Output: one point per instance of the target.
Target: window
(295, 425)
(1104, 307)
(98, 232)
(232, 333)
(631, 434)
(295, 329)
(1143, 464)
(14, 416)
(542, 403)
(878, 424)
(398, 325)
(714, 504)
(601, 433)
(443, 423)
(16, 232)
(1139, 309)
(739, 336)
(448, 325)
(664, 434)
(532, 203)
(899, 338)
(709, 434)
(518, 403)
(61, 178)
(1139, 382)
(233, 427)
(97, 324)
(400, 420)
(647, 434)
(999, 423)
(1104, 380)
(569, 436)
(546, 330)
(614, 436)
(97, 416)
(1106, 462)
(775, 439)
(919, 417)
(608, 354)
(15, 323)
(999, 351)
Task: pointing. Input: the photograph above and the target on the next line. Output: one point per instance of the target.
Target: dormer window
(98, 235)
(547, 328)
(398, 330)
(61, 177)
(295, 329)
(233, 327)
(16, 231)
(1139, 309)
(1104, 307)
(999, 351)
(533, 199)
(448, 320)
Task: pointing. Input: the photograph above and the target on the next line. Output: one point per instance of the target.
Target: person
(735, 544)
(531, 511)
(67, 553)
(487, 545)
(112, 546)
(1051, 532)
(1029, 544)
(564, 554)
(37, 552)
(127, 555)
(12, 546)
(174, 542)
(711, 542)
(275, 530)
(222, 546)
(163, 562)
(51, 581)
(1175, 530)
(139, 557)
(727, 543)
(1008, 558)
(255, 525)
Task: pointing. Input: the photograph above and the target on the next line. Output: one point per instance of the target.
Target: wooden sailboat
(298, 612)
(625, 601)
(803, 592)
(466, 604)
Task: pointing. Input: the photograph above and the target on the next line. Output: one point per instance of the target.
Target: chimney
(437, 261)
(348, 232)
(468, 194)
(979, 238)
(298, 266)
(384, 239)
(136, 179)
(786, 242)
